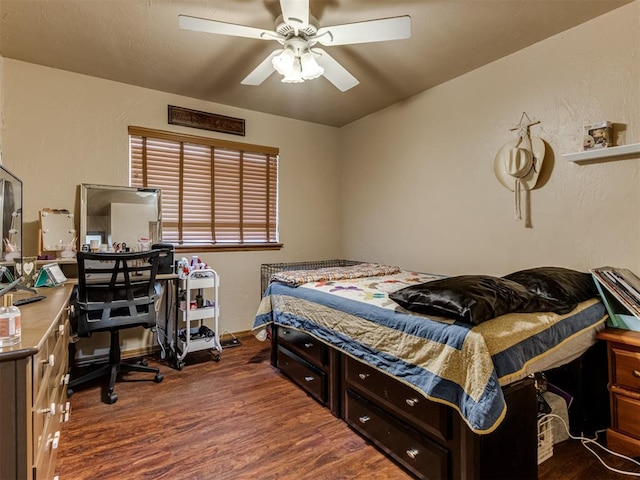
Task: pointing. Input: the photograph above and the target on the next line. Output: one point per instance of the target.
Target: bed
(444, 397)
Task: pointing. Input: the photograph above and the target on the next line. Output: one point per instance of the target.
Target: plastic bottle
(199, 300)
(10, 330)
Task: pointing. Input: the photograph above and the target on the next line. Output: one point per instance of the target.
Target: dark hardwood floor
(236, 419)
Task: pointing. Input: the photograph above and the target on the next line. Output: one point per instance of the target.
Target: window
(214, 192)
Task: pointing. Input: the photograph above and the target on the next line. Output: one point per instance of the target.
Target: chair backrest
(115, 291)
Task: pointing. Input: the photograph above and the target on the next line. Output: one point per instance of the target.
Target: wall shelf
(602, 153)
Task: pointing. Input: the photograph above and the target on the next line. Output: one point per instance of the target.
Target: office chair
(115, 291)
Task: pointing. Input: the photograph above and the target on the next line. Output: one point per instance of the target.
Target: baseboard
(227, 340)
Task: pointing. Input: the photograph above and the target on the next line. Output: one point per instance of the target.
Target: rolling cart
(196, 320)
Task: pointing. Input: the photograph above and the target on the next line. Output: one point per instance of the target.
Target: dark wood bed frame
(429, 440)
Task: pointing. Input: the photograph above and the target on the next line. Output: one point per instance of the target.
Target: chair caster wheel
(69, 392)
(112, 398)
(143, 363)
(179, 364)
(158, 378)
(216, 355)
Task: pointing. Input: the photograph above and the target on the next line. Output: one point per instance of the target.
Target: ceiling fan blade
(334, 72)
(222, 28)
(295, 13)
(262, 71)
(383, 29)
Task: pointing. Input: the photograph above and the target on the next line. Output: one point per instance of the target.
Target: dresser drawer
(417, 453)
(404, 400)
(627, 415)
(311, 379)
(303, 345)
(626, 369)
(45, 461)
(50, 405)
(53, 349)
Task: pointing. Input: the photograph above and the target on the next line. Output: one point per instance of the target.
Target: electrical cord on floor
(227, 332)
(171, 304)
(231, 342)
(586, 441)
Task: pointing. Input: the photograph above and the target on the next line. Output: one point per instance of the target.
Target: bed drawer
(311, 379)
(303, 345)
(627, 415)
(627, 368)
(421, 456)
(404, 400)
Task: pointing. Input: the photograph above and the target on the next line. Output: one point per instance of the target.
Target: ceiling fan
(298, 32)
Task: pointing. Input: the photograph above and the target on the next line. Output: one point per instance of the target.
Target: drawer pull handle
(412, 453)
(308, 345)
(411, 401)
(364, 419)
(49, 361)
(55, 440)
(51, 409)
(363, 376)
(636, 373)
(309, 379)
(67, 411)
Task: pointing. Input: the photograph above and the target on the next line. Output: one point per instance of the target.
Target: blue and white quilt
(447, 361)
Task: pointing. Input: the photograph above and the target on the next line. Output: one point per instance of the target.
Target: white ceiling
(138, 42)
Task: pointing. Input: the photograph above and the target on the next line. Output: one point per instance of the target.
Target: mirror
(58, 232)
(11, 221)
(113, 216)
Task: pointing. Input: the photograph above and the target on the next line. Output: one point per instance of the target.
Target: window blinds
(213, 192)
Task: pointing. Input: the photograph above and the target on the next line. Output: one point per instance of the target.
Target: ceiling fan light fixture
(309, 66)
(284, 62)
(295, 75)
(298, 32)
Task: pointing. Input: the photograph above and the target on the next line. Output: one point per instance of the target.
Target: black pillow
(470, 298)
(562, 286)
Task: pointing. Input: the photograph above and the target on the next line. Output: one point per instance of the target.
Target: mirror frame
(86, 191)
(9, 216)
(67, 235)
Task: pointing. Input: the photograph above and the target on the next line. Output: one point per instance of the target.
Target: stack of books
(624, 286)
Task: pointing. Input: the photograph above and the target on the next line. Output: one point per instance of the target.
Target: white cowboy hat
(518, 163)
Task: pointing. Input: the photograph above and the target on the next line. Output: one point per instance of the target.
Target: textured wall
(414, 184)
(418, 187)
(64, 129)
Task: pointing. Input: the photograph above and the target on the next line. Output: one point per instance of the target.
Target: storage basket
(268, 269)
(545, 439)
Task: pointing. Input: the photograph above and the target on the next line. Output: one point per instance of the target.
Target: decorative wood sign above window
(205, 121)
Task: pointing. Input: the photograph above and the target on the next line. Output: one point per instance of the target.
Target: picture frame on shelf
(598, 135)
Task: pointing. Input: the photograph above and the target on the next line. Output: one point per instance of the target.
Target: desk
(33, 393)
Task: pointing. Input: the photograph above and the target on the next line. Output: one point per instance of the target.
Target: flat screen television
(113, 215)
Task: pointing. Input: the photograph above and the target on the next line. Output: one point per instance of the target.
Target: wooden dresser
(623, 348)
(33, 375)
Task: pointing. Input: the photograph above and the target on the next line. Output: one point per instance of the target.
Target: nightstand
(623, 347)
